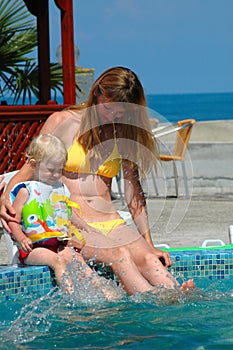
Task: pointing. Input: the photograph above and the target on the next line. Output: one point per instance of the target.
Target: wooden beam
(39, 8)
(67, 34)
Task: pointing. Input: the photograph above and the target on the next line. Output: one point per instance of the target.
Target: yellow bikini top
(77, 162)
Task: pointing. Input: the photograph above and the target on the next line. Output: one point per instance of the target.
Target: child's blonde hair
(47, 146)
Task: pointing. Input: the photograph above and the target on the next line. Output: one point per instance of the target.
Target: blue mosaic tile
(211, 264)
(24, 280)
(188, 264)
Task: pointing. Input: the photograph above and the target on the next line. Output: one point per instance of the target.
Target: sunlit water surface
(87, 320)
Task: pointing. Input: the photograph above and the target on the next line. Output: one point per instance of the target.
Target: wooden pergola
(18, 124)
(39, 8)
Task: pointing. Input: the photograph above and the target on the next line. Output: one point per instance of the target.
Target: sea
(201, 106)
(174, 107)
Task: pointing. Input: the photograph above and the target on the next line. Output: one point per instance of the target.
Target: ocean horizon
(199, 106)
(174, 107)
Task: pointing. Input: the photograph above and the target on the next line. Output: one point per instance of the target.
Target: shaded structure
(40, 9)
(18, 124)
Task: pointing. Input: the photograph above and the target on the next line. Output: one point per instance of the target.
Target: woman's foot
(168, 295)
(187, 286)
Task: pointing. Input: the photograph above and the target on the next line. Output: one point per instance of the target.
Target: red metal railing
(18, 125)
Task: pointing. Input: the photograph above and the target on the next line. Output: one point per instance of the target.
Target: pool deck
(209, 211)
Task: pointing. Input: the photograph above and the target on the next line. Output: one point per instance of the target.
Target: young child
(44, 212)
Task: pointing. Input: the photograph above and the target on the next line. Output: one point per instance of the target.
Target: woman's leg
(146, 261)
(131, 259)
(120, 261)
(150, 266)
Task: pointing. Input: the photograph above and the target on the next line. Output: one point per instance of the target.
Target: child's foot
(68, 287)
(110, 294)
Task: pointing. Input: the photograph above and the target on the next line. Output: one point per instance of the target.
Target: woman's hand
(7, 213)
(164, 257)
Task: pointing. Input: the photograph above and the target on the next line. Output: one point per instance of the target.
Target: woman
(111, 131)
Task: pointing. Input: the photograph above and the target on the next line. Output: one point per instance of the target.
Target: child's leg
(57, 261)
(97, 281)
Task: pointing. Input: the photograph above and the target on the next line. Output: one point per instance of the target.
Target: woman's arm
(2, 184)
(136, 202)
(135, 199)
(7, 211)
(17, 233)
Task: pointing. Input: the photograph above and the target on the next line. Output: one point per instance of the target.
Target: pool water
(86, 320)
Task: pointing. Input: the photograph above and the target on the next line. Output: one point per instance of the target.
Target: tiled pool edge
(212, 264)
(18, 280)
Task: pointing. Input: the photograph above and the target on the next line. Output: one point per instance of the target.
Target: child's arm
(17, 233)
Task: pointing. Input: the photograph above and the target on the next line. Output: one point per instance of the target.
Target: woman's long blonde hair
(119, 84)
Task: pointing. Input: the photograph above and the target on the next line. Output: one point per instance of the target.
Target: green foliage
(18, 40)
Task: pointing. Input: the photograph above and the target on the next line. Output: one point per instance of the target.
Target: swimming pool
(42, 317)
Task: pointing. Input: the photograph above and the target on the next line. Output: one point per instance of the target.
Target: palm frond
(14, 49)
(26, 82)
(14, 17)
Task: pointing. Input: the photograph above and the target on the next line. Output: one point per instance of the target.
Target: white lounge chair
(12, 248)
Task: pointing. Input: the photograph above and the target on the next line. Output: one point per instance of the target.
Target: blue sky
(174, 46)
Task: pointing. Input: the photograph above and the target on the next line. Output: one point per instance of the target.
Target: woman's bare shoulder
(63, 119)
(64, 124)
